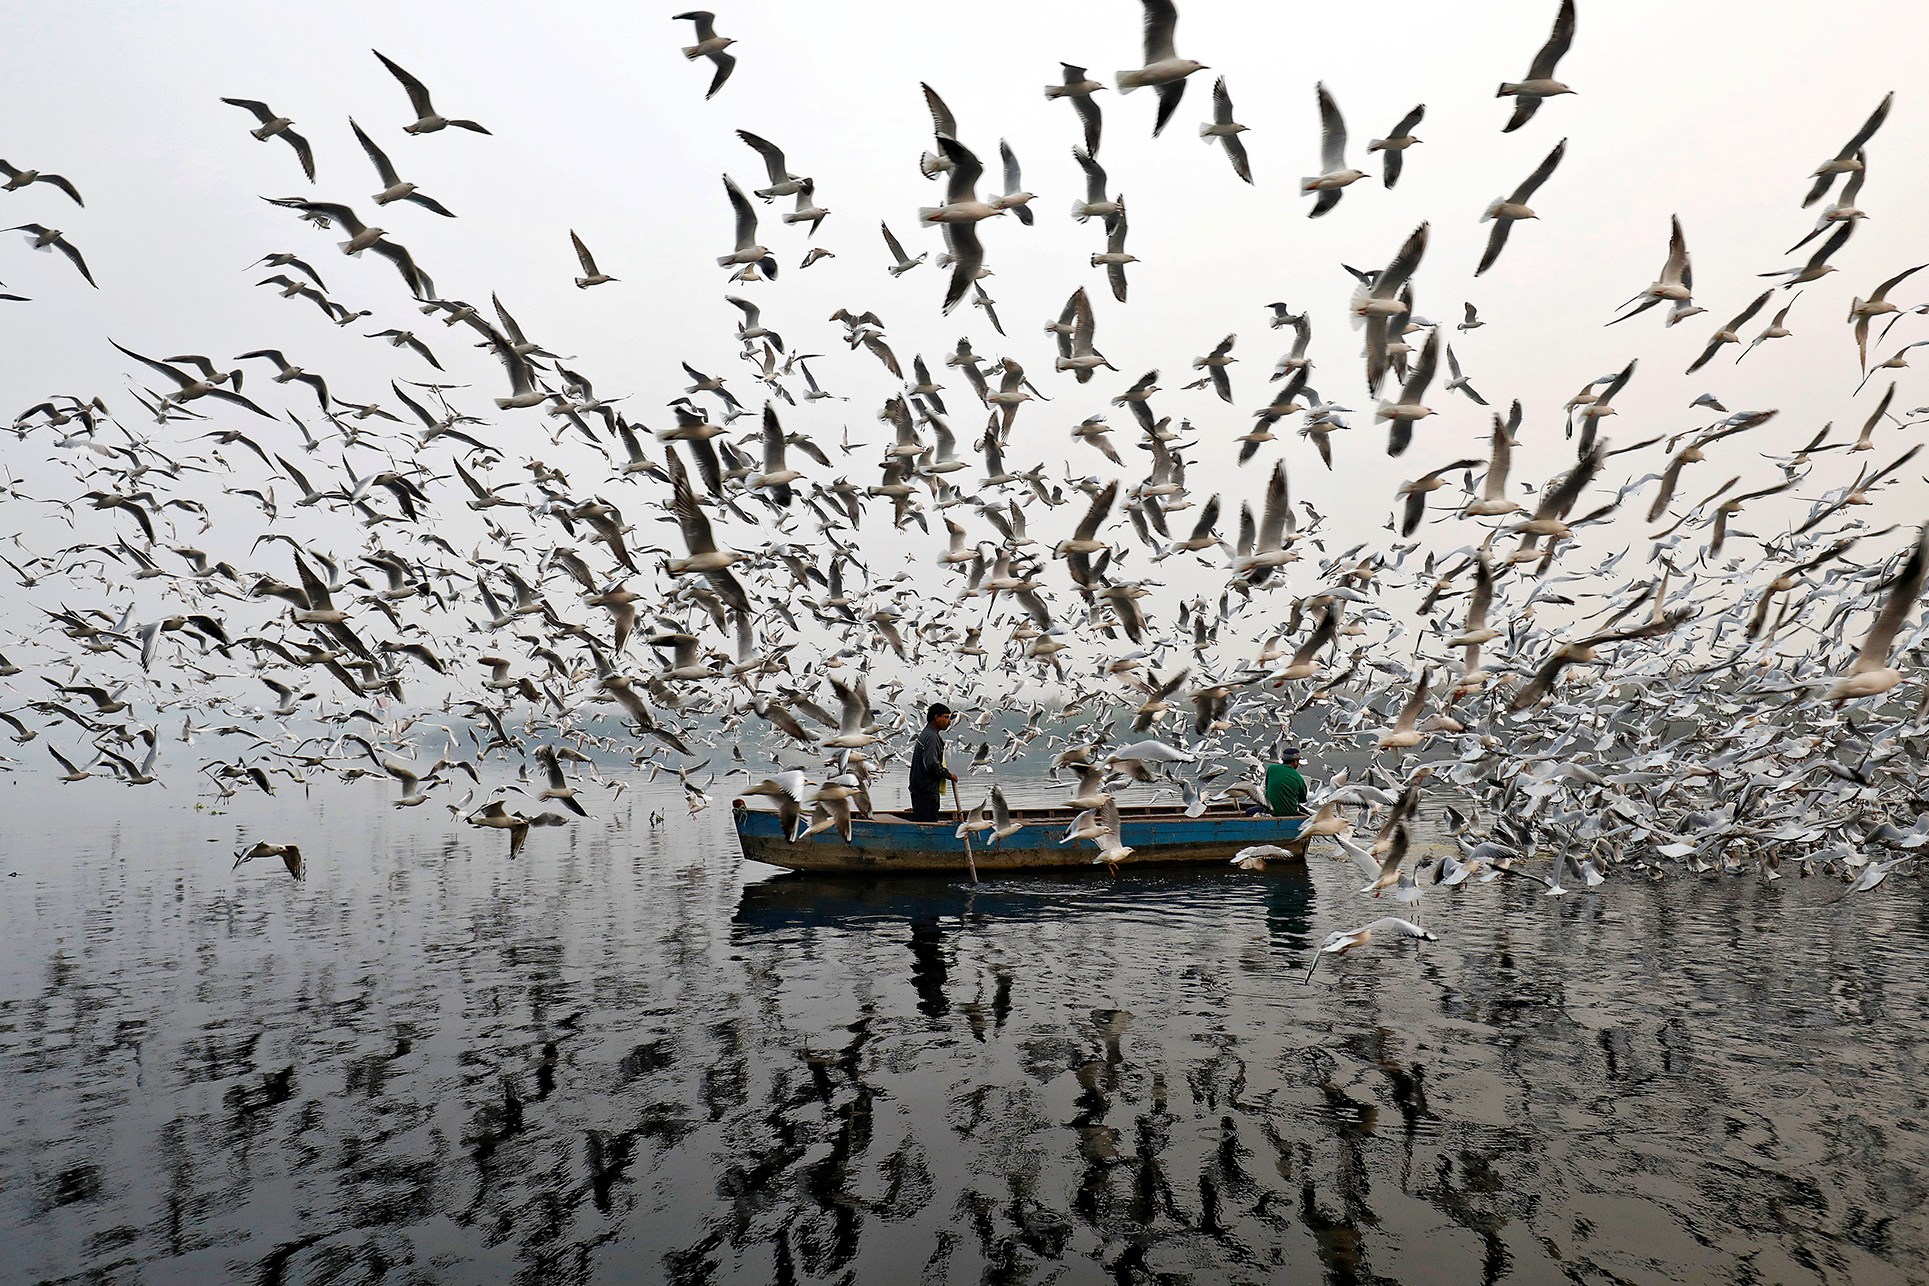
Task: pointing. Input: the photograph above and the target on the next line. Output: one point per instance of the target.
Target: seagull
(1373, 306)
(709, 45)
(17, 179)
(1164, 69)
(1096, 204)
(749, 253)
(904, 263)
(393, 188)
(1079, 88)
(1872, 674)
(960, 215)
(1395, 145)
(1729, 334)
(592, 275)
(1115, 258)
(1014, 197)
(1334, 173)
(427, 121)
(363, 237)
(1849, 160)
(1675, 284)
(271, 125)
(44, 238)
(1540, 83)
(1227, 130)
(290, 855)
(1505, 211)
(1876, 304)
(1818, 264)
(1336, 944)
(1402, 413)
(782, 181)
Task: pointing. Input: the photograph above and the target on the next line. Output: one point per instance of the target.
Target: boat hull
(890, 843)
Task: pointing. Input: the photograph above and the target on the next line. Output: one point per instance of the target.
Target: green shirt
(1285, 790)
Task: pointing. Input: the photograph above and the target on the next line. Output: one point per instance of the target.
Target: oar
(957, 810)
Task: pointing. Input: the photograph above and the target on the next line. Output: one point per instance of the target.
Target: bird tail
(1130, 80)
(345, 248)
(931, 165)
(1053, 92)
(1377, 145)
(926, 213)
(1507, 87)
(1855, 307)
(1491, 211)
(1205, 130)
(692, 52)
(1357, 307)
(724, 261)
(1080, 213)
(1310, 184)
(582, 283)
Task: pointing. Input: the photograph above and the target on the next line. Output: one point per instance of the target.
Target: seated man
(1285, 788)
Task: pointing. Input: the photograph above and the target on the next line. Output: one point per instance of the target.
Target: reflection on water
(626, 1056)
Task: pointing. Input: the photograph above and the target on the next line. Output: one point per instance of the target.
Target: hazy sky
(1716, 112)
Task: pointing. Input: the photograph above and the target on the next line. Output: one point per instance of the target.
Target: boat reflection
(802, 899)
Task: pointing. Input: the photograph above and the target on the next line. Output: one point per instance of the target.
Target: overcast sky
(1716, 112)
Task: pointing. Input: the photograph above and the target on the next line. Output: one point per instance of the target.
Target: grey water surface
(630, 1056)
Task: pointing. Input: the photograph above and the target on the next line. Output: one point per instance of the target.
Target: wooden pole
(957, 810)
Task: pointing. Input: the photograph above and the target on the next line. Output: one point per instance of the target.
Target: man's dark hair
(931, 715)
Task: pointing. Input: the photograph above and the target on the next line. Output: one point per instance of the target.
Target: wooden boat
(891, 842)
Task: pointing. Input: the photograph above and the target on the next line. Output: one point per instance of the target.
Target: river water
(630, 1056)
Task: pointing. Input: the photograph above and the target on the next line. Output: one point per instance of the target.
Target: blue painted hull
(888, 843)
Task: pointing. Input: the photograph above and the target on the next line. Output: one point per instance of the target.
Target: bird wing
(746, 216)
(1332, 128)
(1903, 592)
(375, 154)
(1557, 44)
(1161, 18)
(772, 154)
(418, 92)
(582, 255)
(891, 243)
(943, 123)
(966, 169)
(1532, 183)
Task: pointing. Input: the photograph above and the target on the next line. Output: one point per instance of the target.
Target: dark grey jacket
(927, 760)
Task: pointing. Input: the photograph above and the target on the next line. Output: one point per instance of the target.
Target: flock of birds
(1708, 700)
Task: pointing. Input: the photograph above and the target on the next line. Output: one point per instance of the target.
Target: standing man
(1285, 788)
(928, 773)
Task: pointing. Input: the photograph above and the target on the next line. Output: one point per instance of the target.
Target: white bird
(593, 276)
(393, 188)
(1335, 175)
(1387, 927)
(1505, 211)
(1224, 128)
(1164, 69)
(709, 45)
(427, 120)
(1540, 83)
(273, 125)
